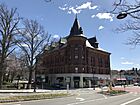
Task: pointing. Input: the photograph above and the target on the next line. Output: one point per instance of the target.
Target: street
(87, 97)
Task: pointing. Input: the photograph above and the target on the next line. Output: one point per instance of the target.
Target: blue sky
(57, 17)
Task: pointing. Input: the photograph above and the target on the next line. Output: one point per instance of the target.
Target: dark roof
(76, 29)
(93, 42)
(93, 39)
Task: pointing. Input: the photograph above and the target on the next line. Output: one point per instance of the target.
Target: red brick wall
(76, 55)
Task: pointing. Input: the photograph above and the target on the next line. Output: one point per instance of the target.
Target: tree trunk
(1, 80)
(12, 76)
(30, 79)
(1, 76)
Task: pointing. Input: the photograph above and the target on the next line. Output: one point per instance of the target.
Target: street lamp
(35, 81)
(122, 15)
(35, 72)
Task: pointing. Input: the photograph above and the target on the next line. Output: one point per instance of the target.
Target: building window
(62, 59)
(100, 62)
(83, 69)
(69, 57)
(107, 64)
(76, 69)
(83, 57)
(93, 61)
(76, 48)
(76, 56)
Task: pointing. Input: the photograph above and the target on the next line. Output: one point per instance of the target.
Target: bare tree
(15, 66)
(8, 25)
(23, 66)
(32, 41)
(123, 8)
(131, 9)
(12, 68)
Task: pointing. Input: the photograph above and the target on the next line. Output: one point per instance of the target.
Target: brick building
(75, 60)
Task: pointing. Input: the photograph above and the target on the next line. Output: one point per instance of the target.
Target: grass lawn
(31, 97)
(113, 92)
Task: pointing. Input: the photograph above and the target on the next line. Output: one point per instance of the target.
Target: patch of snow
(88, 44)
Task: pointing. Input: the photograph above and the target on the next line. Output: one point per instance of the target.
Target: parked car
(120, 83)
(136, 84)
(58, 86)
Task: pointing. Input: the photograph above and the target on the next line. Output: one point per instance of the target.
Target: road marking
(11, 94)
(105, 96)
(80, 99)
(128, 102)
(76, 103)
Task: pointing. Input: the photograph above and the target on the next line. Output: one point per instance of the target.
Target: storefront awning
(121, 79)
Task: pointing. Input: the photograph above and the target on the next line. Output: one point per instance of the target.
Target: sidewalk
(128, 88)
(24, 91)
(48, 91)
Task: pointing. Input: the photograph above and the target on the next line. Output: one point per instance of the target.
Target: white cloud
(138, 64)
(105, 16)
(86, 5)
(127, 63)
(24, 45)
(77, 9)
(63, 8)
(94, 7)
(69, 12)
(92, 16)
(73, 10)
(56, 36)
(101, 27)
(65, 4)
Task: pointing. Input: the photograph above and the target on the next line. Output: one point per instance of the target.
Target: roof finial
(76, 16)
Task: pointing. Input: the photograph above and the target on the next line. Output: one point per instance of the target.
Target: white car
(136, 84)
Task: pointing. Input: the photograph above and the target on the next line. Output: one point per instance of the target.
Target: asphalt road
(87, 97)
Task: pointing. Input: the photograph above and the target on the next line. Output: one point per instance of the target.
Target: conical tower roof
(76, 29)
